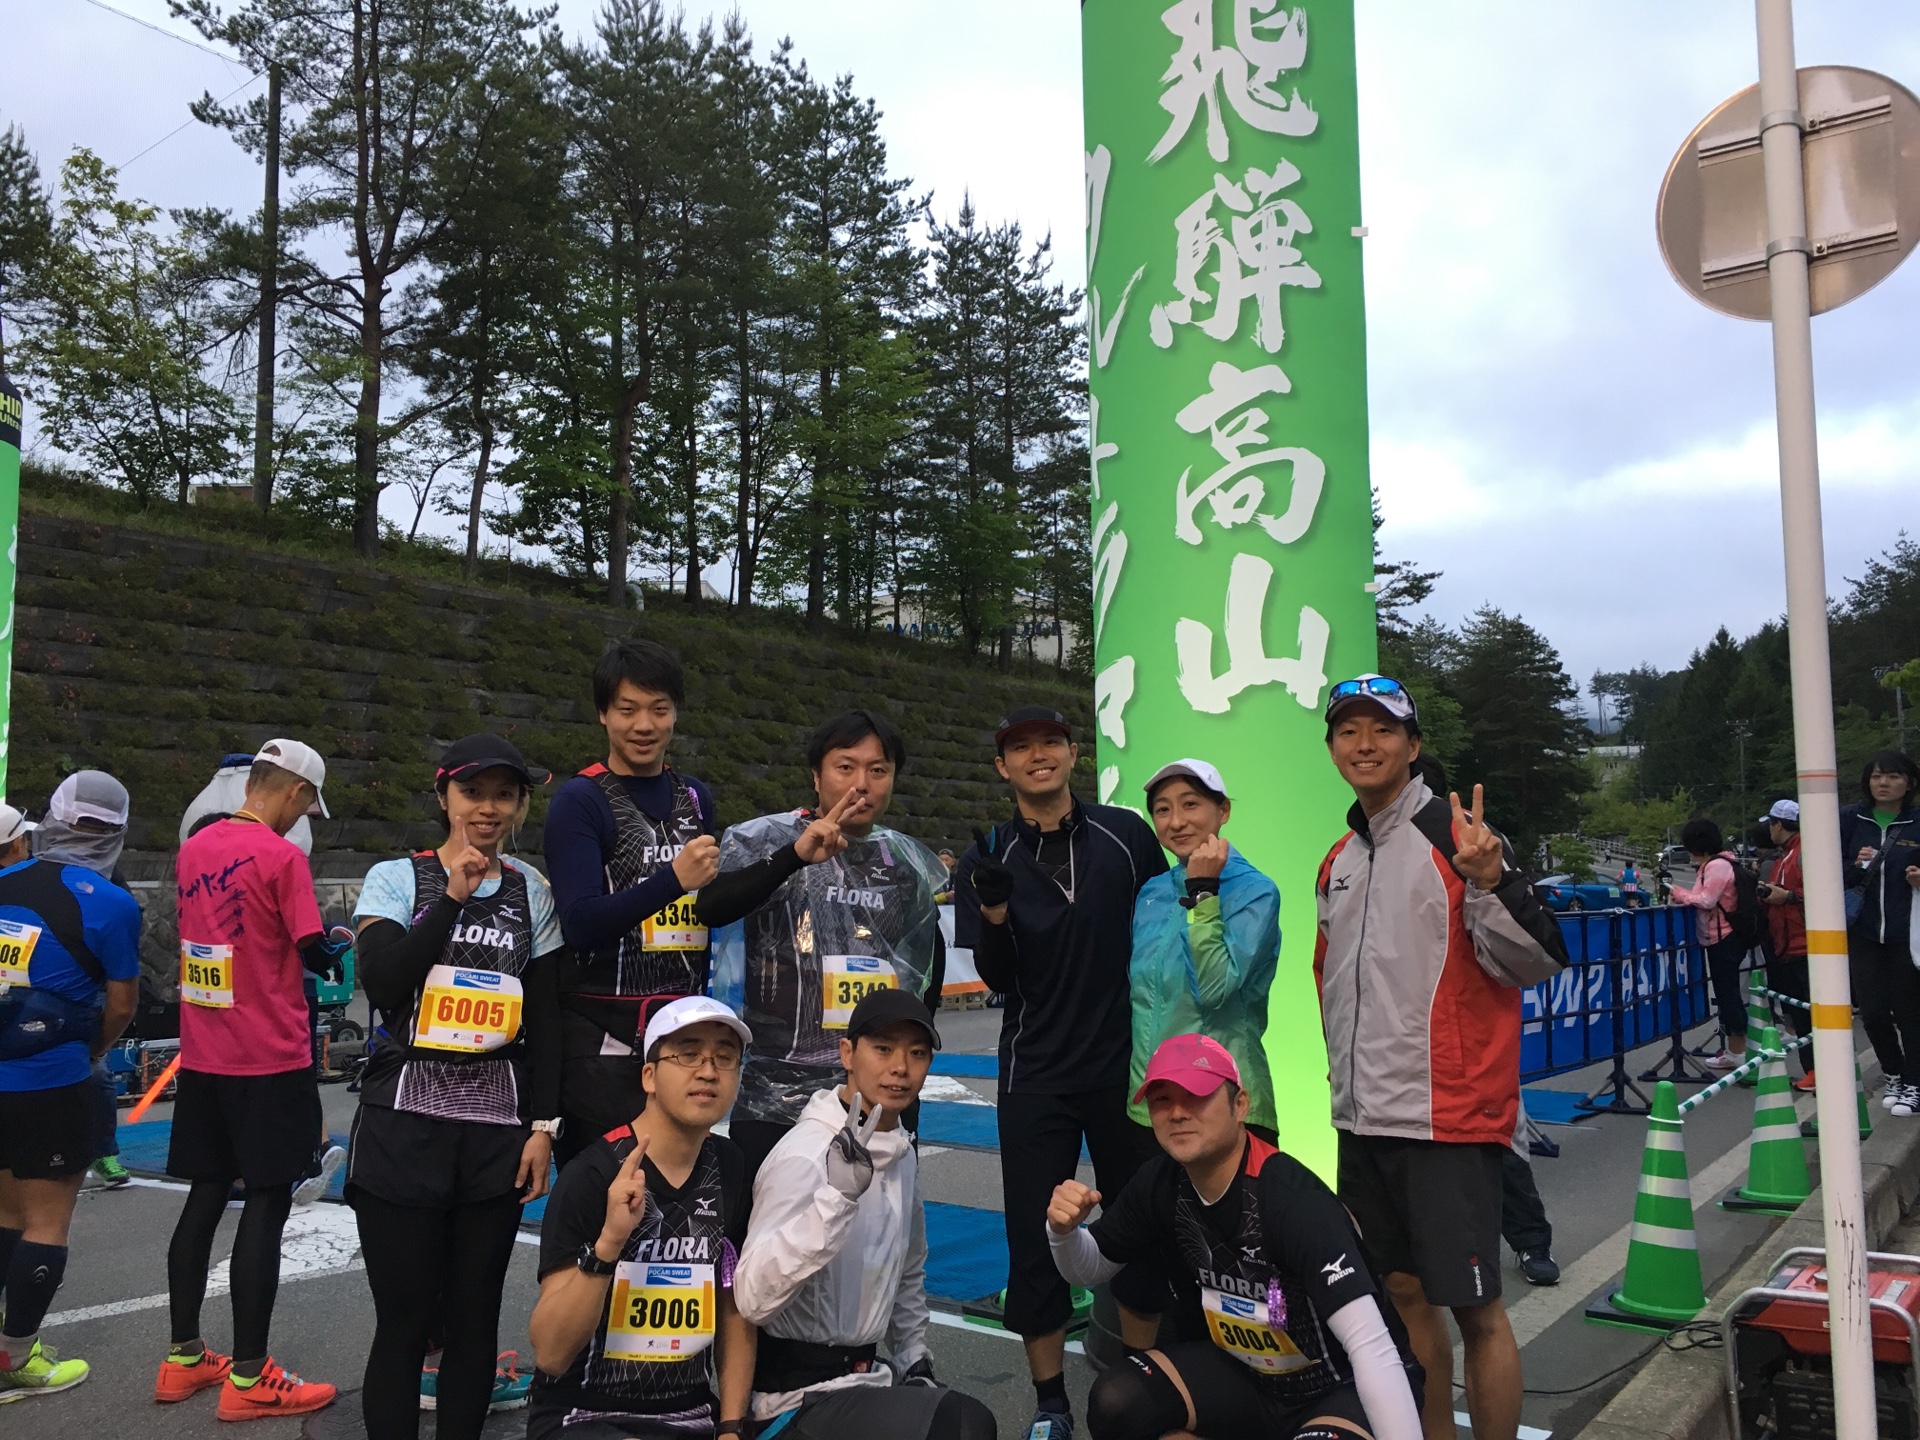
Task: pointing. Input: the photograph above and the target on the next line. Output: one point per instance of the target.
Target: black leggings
(433, 1273)
(1723, 967)
(255, 1262)
(1136, 1400)
(1886, 990)
(888, 1412)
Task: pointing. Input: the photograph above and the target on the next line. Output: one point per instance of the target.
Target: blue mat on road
(1555, 1107)
(966, 1251)
(954, 1122)
(977, 1067)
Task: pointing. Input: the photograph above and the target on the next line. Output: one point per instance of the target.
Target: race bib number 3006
(468, 1012)
(660, 1312)
(16, 952)
(206, 975)
(674, 928)
(845, 980)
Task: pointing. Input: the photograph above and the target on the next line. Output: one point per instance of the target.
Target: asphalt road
(112, 1308)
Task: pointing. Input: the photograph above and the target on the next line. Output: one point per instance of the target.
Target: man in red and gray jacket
(1428, 931)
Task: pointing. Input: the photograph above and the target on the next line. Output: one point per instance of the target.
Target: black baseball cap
(471, 754)
(880, 1008)
(1042, 715)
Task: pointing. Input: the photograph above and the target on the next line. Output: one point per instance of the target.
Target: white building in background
(1609, 761)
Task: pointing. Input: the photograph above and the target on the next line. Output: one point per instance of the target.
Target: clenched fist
(1071, 1204)
(697, 863)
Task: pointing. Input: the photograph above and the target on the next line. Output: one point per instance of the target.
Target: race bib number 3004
(660, 1312)
(468, 1012)
(1239, 1327)
(674, 928)
(845, 980)
(206, 975)
(16, 952)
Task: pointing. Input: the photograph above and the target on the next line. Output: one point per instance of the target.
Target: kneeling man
(835, 1261)
(1282, 1334)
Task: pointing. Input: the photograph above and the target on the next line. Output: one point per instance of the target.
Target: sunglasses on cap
(1378, 686)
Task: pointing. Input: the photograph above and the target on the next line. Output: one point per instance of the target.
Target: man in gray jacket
(1428, 931)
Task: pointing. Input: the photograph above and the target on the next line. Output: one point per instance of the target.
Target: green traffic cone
(1759, 1007)
(1662, 1283)
(1860, 1094)
(1776, 1159)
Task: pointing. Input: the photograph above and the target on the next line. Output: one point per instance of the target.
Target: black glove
(920, 1373)
(992, 881)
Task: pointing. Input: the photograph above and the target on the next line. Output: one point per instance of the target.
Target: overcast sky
(1556, 425)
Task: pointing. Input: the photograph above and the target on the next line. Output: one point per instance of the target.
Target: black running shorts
(1427, 1208)
(48, 1134)
(263, 1130)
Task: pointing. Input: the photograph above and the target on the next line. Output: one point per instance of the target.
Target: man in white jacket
(835, 1259)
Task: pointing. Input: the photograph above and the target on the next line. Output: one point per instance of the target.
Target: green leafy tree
(26, 217)
(121, 336)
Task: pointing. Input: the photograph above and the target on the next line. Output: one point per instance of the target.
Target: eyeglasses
(691, 1059)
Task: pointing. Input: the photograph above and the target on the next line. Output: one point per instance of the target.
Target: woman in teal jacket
(1206, 938)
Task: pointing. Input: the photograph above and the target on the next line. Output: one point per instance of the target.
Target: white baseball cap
(1198, 771)
(687, 1011)
(89, 795)
(303, 760)
(13, 824)
(1784, 810)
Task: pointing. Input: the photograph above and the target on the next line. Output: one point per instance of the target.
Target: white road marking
(945, 1087)
(1526, 1432)
(320, 1240)
(960, 1322)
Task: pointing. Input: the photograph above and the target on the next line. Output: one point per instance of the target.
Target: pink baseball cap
(1198, 1064)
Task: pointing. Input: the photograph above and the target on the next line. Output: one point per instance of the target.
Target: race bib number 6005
(660, 1312)
(468, 1012)
(16, 952)
(206, 975)
(845, 980)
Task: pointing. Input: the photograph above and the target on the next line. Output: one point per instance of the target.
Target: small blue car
(1562, 892)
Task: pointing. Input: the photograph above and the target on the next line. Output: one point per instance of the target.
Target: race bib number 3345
(660, 1312)
(674, 928)
(206, 975)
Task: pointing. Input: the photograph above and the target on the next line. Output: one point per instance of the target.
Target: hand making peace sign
(1477, 852)
(823, 839)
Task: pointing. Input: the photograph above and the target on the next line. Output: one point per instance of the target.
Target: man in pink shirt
(1713, 897)
(248, 1104)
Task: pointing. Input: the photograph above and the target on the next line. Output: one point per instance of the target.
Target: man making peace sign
(1428, 929)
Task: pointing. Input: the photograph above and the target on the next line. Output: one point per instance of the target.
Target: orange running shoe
(179, 1381)
(274, 1393)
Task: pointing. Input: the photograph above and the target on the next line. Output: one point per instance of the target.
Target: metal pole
(1842, 1206)
(269, 301)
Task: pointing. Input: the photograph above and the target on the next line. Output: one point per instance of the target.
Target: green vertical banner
(1232, 509)
(11, 413)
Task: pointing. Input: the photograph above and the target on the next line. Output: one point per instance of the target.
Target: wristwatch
(549, 1128)
(590, 1263)
(742, 1427)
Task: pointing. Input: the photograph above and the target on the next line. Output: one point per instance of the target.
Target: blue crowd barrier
(1636, 978)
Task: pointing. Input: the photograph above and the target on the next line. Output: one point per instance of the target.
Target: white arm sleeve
(1378, 1373)
(1076, 1255)
(907, 1325)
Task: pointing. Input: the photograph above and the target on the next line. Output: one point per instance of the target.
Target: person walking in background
(1880, 852)
(628, 843)
(1713, 896)
(86, 825)
(1206, 940)
(1428, 931)
(69, 980)
(247, 1105)
(460, 1100)
(1783, 891)
(1630, 885)
(1046, 901)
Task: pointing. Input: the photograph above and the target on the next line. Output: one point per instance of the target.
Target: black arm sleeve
(996, 955)
(540, 1023)
(1138, 1222)
(394, 960)
(734, 894)
(937, 976)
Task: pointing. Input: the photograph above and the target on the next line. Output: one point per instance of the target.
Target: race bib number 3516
(206, 975)
(16, 952)
(660, 1312)
(845, 980)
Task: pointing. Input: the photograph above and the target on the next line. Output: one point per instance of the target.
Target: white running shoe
(1908, 1101)
(1890, 1089)
(314, 1186)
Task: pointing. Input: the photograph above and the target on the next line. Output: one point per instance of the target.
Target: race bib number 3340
(845, 980)
(660, 1312)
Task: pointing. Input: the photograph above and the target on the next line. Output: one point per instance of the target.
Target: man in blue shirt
(627, 844)
(69, 970)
